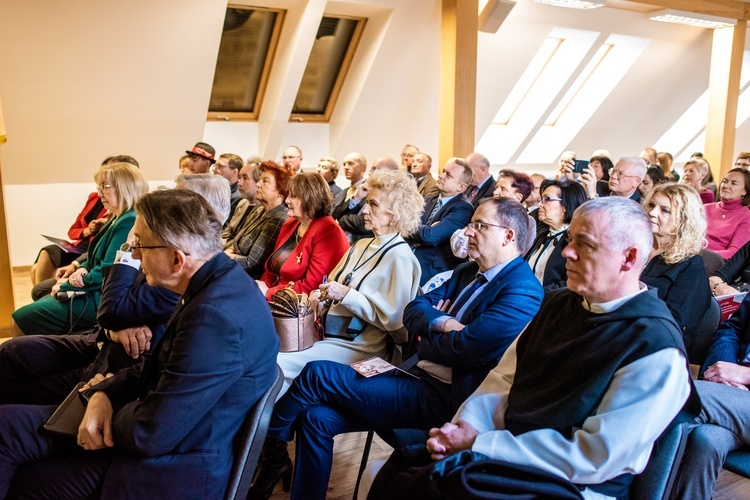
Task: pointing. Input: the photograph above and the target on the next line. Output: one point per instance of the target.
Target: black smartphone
(580, 165)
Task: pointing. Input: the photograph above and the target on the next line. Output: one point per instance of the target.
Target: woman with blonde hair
(675, 267)
(119, 185)
(695, 172)
(369, 289)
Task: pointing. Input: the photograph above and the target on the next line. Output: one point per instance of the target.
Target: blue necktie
(464, 297)
(435, 210)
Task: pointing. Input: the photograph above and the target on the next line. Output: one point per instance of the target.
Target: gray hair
(214, 188)
(402, 196)
(183, 220)
(637, 163)
(386, 163)
(628, 224)
(511, 214)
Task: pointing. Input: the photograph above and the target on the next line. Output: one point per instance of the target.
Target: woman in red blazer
(310, 243)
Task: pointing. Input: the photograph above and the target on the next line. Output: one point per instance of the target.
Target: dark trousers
(38, 465)
(42, 369)
(329, 398)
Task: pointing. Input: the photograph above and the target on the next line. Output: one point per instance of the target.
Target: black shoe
(275, 465)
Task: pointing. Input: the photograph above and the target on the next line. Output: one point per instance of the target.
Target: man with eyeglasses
(623, 181)
(292, 159)
(465, 326)
(407, 156)
(743, 160)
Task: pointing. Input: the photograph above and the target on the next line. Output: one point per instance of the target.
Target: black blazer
(684, 287)
(555, 276)
(484, 192)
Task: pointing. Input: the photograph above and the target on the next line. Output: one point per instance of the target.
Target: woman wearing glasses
(675, 267)
(369, 289)
(559, 201)
(119, 185)
(729, 219)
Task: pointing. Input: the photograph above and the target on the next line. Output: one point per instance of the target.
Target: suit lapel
(491, 289)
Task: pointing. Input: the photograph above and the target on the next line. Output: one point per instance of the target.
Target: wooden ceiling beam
(734, 9)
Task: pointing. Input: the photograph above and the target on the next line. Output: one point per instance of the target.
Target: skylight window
(330, 58)
(248, 43)
(546, 76)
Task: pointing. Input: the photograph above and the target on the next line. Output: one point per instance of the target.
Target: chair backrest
(656, 481)
(712, 260)
(702, 335)
(249, 441)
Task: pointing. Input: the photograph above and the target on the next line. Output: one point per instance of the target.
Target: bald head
(480, 168)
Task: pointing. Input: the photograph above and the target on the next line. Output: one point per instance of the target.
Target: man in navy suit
(465, 327)
(168, 431)
(442, 215)
(482, 183)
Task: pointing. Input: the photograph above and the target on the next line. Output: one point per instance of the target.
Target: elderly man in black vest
(595, 378)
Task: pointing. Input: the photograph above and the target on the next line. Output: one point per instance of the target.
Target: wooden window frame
(343, 72)
(265, 75)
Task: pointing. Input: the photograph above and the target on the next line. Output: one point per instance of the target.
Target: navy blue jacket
(432, 243)
(216, 358)
(493, 321)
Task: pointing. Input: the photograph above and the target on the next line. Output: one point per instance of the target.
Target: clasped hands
(134, 340)
(332, 290)
(731, 374)
(450, 439)
(75, 278)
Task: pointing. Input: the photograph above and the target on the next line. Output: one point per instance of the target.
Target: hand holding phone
(580, 166)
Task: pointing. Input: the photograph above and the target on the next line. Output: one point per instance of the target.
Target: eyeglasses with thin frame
(290, 157)
(136, 245)
(103, 187)
(620, 175)
(547, 199)
(479, 226)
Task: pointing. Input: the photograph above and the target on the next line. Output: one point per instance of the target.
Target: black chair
(712, 260)
(702, 336)
(249, 442)
(657, 479)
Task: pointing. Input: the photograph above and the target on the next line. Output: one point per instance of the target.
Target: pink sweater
(728, 227)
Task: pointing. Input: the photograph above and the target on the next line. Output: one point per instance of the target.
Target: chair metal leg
(363, 463)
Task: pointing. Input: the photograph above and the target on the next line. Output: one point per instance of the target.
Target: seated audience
(118, 185)
(482, 183)
(228, 166)
(734, 276)
(89, 222)
(213, 365)
(310, 242)
(371, 285)
(256, 237)
(729, 219)
(695, 172)
(722, 425)
(514, 185)
(654, 176)
(675, 267)
(623, 181)
(329, 169)
(292, 159)
(347, 202)
(570, 394)
(559, 201)
(465, 326)
(665, 164)
(532, 202)
(420, 168)
(201, 157)
(248, 186)
(565, 167)
(442, 216)
(407, 157)
(743, 160)
(43, 369)
(601, 167)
